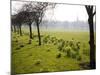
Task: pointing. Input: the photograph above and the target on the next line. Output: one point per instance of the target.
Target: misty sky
(62, 12)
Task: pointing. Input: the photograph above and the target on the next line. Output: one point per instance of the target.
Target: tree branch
(94, 13)
(87, 9)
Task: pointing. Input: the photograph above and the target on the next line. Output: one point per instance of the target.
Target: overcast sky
(62, 12)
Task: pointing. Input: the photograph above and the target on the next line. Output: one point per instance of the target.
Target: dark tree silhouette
(39, 12)
(91, 12)
(19, 20)
(34, 12)
(28, 16)
(11, 28)
(13, 23)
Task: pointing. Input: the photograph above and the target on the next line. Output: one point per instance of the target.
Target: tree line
(29, 13)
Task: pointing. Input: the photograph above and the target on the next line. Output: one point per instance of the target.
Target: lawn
(31, 58)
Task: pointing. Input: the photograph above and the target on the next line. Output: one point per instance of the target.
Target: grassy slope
(24, 59)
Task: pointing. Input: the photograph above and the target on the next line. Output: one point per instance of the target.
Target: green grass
(31, 58)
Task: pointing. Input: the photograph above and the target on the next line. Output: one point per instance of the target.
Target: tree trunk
(30, 28)
(11, 28)
(20, 30)
(38, 33)
(91, 42)
(14, 28)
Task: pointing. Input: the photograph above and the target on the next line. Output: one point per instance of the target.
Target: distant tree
(91, 12)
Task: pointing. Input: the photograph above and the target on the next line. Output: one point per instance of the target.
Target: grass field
(51, 56)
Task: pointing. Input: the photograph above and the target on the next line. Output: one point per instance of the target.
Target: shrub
(46, 39)
(76, 49)
(53, 39)
(66, 48)
(69, 53)
(66, 43)
(55, 43)
(58, 55)
(71, 43)
(63, 43)
(49, 41)
(60, 40)
(73, 54)
(60, 46)
(86, 52)
(79, 58)
(78, 45)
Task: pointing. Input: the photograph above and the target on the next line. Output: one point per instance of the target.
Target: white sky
(62, 12)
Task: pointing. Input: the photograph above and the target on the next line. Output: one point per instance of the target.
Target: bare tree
(91, 12)
(28, 16)
(19, 20)
(39, 12)
(13, 23)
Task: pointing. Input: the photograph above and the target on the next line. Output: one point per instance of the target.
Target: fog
(62, 18)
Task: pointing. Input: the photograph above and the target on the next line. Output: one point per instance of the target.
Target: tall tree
(19, 20)
(39, 12)
(28, 16)
(91, 12)
(13, 23)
